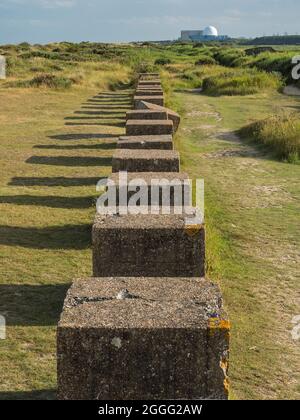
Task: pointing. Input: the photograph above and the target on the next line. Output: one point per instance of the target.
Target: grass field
(57, 143)
(51, 159)
(252, 210)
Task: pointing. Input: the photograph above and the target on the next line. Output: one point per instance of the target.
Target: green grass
(56, 143)
(51, 159)
(252, 241)
(240, 82)
(280, 133)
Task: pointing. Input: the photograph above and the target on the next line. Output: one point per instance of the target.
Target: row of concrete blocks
(148, 90)
(148, 325)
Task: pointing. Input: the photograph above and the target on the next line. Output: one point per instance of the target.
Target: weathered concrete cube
(151, 82)
(157, 100)
(149, 127)
(148, 92)
(147, 76)
(149, 87)
(143, 339)
(152, 161)
(162, 188)
(148, 245)
(164, 142)
(172, 115)
(146, 114)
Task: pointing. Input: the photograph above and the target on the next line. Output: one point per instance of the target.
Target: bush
(24, 46)
(258, 50)
(162, 61)
(229, 57)
(50, 81)
(280, 133)
(240, 82)
(275, 62)
(205, 60)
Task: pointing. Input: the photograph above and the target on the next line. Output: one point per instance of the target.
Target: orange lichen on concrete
(193, 230)
(224, 367)
(220, 324)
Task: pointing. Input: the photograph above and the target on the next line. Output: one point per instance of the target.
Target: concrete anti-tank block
(149, 92)
(146, 114)
(156, 100)
(148, 245)
(149, 127)
(152, 161)
(172, 115)
(162, 188)
(143, 339)
(146, 142)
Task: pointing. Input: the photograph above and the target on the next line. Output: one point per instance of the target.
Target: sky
(42, 21)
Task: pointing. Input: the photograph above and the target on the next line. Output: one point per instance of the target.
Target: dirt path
(253, 241)
(292, 90)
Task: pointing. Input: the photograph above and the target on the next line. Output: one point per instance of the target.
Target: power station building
(210, 33)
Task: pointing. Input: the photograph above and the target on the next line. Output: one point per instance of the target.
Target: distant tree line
(275, 40)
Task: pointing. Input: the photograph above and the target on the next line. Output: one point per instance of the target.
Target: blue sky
(41, 21)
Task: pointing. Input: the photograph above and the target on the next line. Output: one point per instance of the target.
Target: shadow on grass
(70, 160)
(93, 117)
(112, 95)
(49, 201)
(45, 394)
(53, 237)
(101, 113)
(99, 105)
(111, 101)
(101, 146)
(112, 109)
(105, 124)
(83, 136)
(32, 305)
(54, 182)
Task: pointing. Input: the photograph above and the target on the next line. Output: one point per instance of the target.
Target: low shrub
(240, 82)
(258, 50)
(205, 60)
(281, 133)
(229, 57)
(48, 81)
(162, 61)
(275, 62)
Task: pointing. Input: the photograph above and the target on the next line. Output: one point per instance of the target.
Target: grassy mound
(280, 133)
(205, 60)
(240, 82)
(45, 80)
(51, 81)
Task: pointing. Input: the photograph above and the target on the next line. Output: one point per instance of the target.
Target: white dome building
(210, 31)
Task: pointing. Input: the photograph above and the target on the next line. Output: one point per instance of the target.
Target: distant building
(210, 33)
